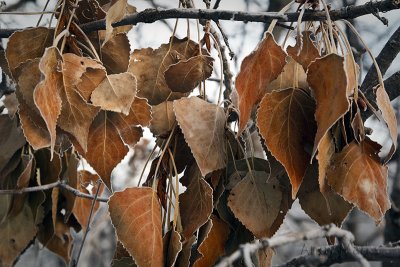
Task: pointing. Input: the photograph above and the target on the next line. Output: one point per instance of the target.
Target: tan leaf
(115, 54)
(203, 125)
(286, 123)
(185, 75)
(327, 78)
(196, 203)
(149, 65)
(258, 69)
(255, 201)
(27, 44)
(115, 93)
(292, 76)
(163, 118)
(115, 13)
(111, 133)
(172, 247)
(136, 216)
(16, 233)
(325, 152)
(352, 73)
(213, 246)
(304, 51)
(383, 102)
(82, 206)
(357, 174)
(46, 94)
(325, 208)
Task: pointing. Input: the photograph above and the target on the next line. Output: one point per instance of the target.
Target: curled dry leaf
(286, 123)
(213, 246)
(352, 74)
(47, 93)
(327, 78)
(258, 69)
(255, 201)
(111, 133)
(115, 13)
(292, 76)
(115, 93)
(383, 102)
(163, 118)
(185, 75)
(27, 44)
(172, 247)
(115, 54)
(203, 125)
(357, 174)
(304, 52)
(325, 152)
(196, 203)
(136, 216)
(149, 65)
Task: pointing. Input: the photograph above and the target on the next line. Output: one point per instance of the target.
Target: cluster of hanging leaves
(87, 96)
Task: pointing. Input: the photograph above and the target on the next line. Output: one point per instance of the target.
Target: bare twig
(152, 15)
(61, 184)
(344, 237)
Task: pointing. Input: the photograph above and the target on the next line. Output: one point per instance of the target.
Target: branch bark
(153, 15)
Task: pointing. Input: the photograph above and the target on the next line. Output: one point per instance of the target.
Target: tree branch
(50, 186)
(153, 15)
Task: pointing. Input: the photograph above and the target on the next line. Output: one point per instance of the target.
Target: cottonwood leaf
(203, 125)
(325, 152)
(88, 11)
(213, 246)
(111, 133)
(115, 93)
(292, 76)
(304, 51)
(47, 93)
(324, 208)
(185, 75)
(149, 65)
(27, 44)
(258, 69)
(327, 78)
(357, 174)
(163, 118)
(383, 102)
(115, 13)
(255, 201)
(122, 258)
(115, 54)
(172, 247)
(352, 73)
(286, 123)
(196, 203)
(183, 259)
(136, 216)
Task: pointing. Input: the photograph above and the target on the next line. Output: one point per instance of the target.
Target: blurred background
(243, 38)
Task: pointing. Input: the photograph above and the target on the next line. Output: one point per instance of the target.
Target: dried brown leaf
(292, 76)
(115, 54)
(136, 216)
(258, 69)
(172, 247)
(115, 13)
(163, 118)
(203, 125)
(304, 51)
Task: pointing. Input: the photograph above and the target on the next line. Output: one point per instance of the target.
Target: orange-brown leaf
(136, 216)
(203, 125)
(286, 123)
(258, 69)
(304, 51)
(292, 76)
(163, 118)
(357, 174)
(328, 80)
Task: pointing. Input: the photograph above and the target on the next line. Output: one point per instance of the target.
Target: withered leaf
(196, 203)
(185, 75)
(122, 258)
(327, 78)
(88, 11)
(203, 125)
(115, 93)
(325, 152)
(163, 118)
(292, 76)
(27, 44)
(111, 133)
(304, 51)
(183, 259)
(149, 65)
(115, 13)
(115, 54)
(172, 247)
(286, 123)
(136, 216)
(47, 93)
(255, 201)
(258, 69)
(357, 174)
(213, 246)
